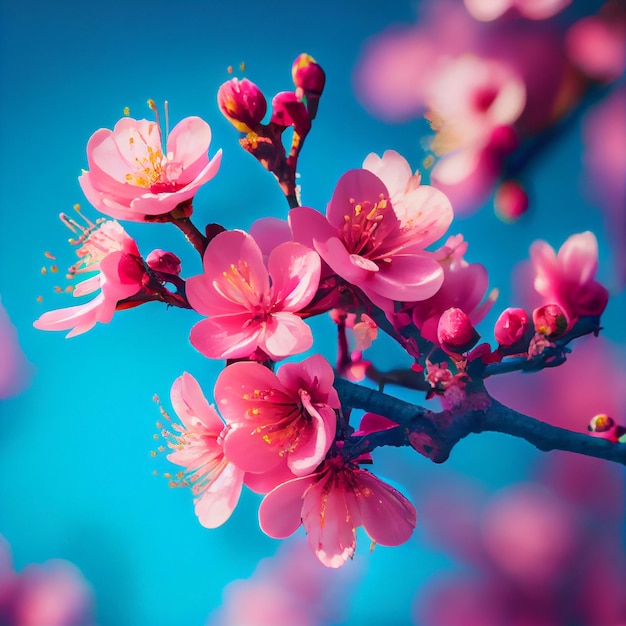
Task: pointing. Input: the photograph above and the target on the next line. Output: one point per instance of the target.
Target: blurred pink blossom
(51, 594)
(134, 175)
(15, 370)
(251, 306)
(290, 588)
(488, 10)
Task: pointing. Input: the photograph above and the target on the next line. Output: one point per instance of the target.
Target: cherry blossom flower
(488, 10)
(132, 176)
(106, 248)
(568, 279)
(331, 504)
(15, 371)
(286, 418)
(464, 287)
(53, 593)
(198, 447)
(251, 306)
(365, 242)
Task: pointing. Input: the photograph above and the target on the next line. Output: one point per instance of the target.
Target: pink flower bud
(550, 320)
(242, 103)
(162, 261)
(511, 201)
(511, 326)
(455, 332)
(308, 75)
(287, 110)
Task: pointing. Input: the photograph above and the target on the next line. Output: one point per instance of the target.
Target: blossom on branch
(135, 175)
(106, 248)
(285, 419)
(331, 504)
(198, 447)
(250, 306)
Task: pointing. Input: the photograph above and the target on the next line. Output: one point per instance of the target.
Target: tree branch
(435, 434)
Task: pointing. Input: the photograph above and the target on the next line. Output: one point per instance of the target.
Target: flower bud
(308, 75)
(455, 332)
(162, 261)
(242, 103)
(511, 326)
(601, 423)
(550, 320)
(511, 201)
(287, 110)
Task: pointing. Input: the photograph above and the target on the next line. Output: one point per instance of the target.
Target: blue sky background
(76, 471)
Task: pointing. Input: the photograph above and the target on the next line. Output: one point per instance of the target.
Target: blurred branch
(435, 434)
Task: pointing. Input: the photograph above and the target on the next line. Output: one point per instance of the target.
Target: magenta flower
(286, 418)
(367, 244)
(331, 504)
(198, 447)
(568, 279)
(104, 247)
(251, 306)
(132, 176)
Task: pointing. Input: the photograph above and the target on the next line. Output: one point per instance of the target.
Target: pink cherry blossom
(568, 279)
(15, 371)
(132, 176)
(464, 287)
(251, 306)
(106, 248)
(286, 418)
(365, 242)
(198, 447)
(488, 10)
(331, 504)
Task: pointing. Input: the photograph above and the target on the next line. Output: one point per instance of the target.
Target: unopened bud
(455, 332)
(511, 326)
(550, 320)
(242, 103)
(287, 110)
(601, 423)
(162, 261)
(511, 201)
(308, 75)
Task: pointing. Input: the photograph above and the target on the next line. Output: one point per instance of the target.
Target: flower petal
(217, 503)
(192, 407)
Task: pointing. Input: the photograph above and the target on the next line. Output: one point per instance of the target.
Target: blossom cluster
(284, 429)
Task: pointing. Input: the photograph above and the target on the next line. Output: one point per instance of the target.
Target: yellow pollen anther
(126, 111)
(357, 209)
(54, 269)
(44, 270)
(229, 69)
(39, 298)
(372, 214)
(77, 207)
(242, 66)
(50, 256)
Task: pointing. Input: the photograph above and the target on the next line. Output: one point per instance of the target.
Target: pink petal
(80, 318)
(104, 203)
(270, 232)
(133, 138)
(329, 522)
(280, 512)
(334, 252)
(354, 186)
(427, 212)
(295, 272)
(245, 447)
(315, 368)
(264, 483)
(218, 502)
(387, 516)
(372, 423)
(313, 443)
(192, 407)
(308, 226)
(392, 169)
(225, 337)
(578, 258)
(285, 334)
(189, 141)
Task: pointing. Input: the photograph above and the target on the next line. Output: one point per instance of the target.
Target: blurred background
(503, 530)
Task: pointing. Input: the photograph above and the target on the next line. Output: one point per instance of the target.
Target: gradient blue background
(76, 471)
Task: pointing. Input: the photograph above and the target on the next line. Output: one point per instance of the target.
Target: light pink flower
(489, 10)
(132, 175)
(366, 243)
(331, 504)
(286, 418)
(251, 306)
(106, 248)
(15, 371)
(568, 279)
(198, 447)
